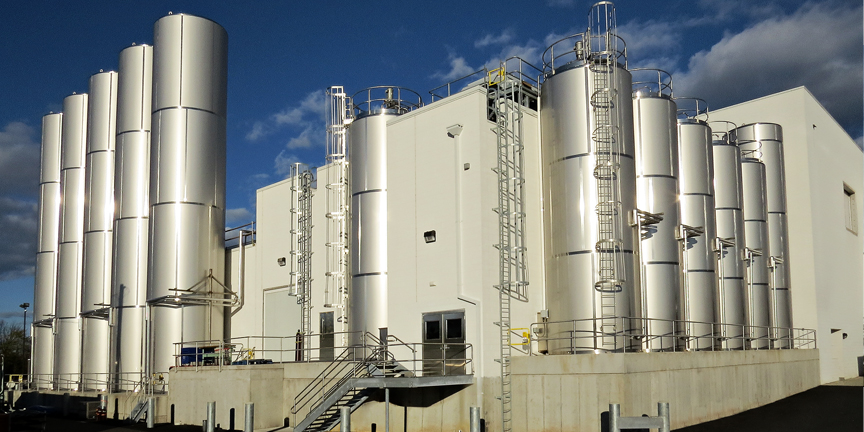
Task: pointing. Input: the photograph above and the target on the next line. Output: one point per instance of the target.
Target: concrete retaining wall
(558, 393)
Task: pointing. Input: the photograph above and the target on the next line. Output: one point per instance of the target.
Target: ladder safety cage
(509, 90)
(301, 244)
(603, 55)
(336, 291)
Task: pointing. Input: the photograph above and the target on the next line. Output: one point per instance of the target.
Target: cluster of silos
(766, 230)
(699, 259)
(589, 191)
(367, 139)
(107, 255)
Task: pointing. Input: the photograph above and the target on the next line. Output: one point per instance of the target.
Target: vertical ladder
(607, 148)
(294, 230)
(336, 288)
(507, 95)
(304, 247)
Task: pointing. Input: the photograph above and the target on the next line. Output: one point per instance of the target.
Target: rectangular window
(851, 209)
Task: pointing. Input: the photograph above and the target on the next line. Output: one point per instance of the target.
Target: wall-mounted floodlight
(429, 236)
(281, 261)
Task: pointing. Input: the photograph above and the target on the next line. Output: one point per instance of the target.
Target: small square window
(851, 209)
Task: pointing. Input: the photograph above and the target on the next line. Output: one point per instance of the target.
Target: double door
(444, 346)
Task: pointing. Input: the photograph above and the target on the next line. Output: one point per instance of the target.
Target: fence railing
(648, 334)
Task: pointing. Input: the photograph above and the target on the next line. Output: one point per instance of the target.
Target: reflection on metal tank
(656, 142)
(730, 231)
(367, 141)
(586, 122)
(187, 185)
(766, 140)
(67, 339)
(132, 201)
(98, 227)
(42, 366)
(756, 241)
(696, 173)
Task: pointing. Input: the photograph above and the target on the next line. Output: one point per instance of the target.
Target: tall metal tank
(766, 141)
(656, 142)
(42, 365)
(586, 123)
(186, 267)
(731, 270)
(67, 339)
(758, 297)
(367, 141)
(98, 229)
(131, 223)
(696, 175)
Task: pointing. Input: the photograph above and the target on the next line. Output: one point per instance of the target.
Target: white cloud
(238, 216)
(19, 186)
(458, 69)
(491, 39)
(783, 52)
(310, 136)
(283, 163)
(19, 159)
(860, 141)
(651, 44)
(311, 110)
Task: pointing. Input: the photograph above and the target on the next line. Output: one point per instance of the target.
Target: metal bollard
(249, 419)
(211, 417)
(474, 415)
(614, 415)
(345, 419)
(151, 413)
(663, 412)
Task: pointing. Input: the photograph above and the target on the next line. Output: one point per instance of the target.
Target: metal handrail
(722, 135)
(660, 86)
(580, 50)
(798, 338)
(482, 72)
(700, 109)
(391, 100)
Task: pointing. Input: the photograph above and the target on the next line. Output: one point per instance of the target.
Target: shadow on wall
(861, 366)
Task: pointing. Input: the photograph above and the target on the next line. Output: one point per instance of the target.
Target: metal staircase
(338, 195)
(507, 94)
(603, 66)
(351, 379)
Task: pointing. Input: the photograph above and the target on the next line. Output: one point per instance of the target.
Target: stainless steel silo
(766, 141)
(699, 284)
(187, 185)
(131, 224)
(731, 270)
(758, 297)
(367, 141)
(42, 364)
(656, 144)
(67, 339)
(586, 122)
(98, 230)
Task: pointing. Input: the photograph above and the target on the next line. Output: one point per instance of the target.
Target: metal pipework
(131, 224)
(764, 141)
(67, 341)
(756, 241)
(187, 185)
(47, 248)
(696, 175)
(345, 419)
(731, 270)
(98, 229)
(241, 284)
(474, 419)
(151, 412)
(656, 142)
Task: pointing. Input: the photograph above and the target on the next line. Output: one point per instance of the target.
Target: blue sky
(283, 54)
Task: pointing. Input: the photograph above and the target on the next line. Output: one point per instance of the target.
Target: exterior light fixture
(430, 236)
